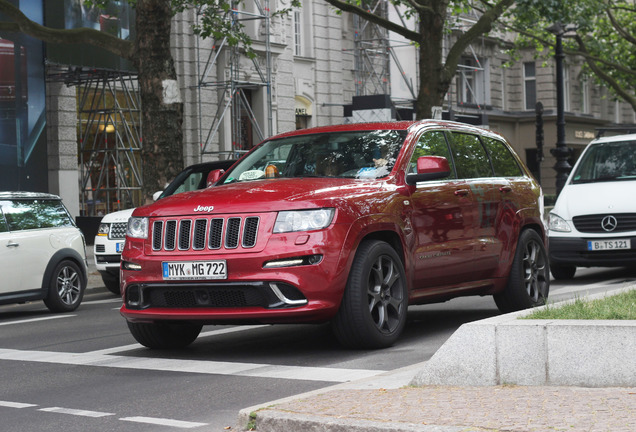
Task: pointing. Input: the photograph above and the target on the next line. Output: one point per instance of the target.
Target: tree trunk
(162, 114)
(432, 87)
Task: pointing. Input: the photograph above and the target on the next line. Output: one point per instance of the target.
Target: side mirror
(156, 195)
(214, 176)
(429, 168)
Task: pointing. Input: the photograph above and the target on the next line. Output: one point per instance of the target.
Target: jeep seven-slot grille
(197, 234)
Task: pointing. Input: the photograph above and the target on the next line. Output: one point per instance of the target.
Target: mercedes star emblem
(609, 223)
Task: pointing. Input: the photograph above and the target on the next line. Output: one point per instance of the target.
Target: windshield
(359, 154)
(607, 162)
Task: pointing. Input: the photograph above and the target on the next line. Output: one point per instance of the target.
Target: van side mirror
(214, 176)
(429, 168)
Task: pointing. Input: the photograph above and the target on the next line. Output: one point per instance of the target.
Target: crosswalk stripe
(259, 370)
(9, 404)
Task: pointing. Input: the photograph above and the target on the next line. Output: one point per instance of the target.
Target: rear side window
(503, 162)
(3, 223)
(432, 144)
(470, 156)
(35, 214)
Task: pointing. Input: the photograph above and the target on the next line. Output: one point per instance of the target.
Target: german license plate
(193, 270)
(119, 247)
(602, 245)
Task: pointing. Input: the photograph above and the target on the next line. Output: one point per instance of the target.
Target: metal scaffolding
(109, 137)
(375, 51)
(234, 95)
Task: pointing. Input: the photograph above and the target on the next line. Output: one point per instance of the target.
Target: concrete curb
(506, 350)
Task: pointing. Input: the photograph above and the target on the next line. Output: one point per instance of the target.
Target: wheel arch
(58, 257)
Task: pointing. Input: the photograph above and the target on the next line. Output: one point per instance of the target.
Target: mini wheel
(66, 287)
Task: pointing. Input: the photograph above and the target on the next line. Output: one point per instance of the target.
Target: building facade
(313, 67)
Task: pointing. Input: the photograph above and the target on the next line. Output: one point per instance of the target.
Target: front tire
(66, 288)
(111, 283)
(163, 335)
(373, 310)
(529, 281)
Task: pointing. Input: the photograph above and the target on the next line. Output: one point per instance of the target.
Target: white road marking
(91, 302)
(16, 405)
(259, 370)
(76, 412)
(202, 335)
(164, 422)
(36, 319)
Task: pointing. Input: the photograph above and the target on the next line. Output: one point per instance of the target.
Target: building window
(529, 85)
(473, 82)
(585, 95)
(298, 33)
(566, 89)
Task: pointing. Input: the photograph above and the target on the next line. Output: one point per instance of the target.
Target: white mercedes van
(593, 223)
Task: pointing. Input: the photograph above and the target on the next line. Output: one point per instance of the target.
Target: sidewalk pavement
(391, 403)
(456, 409)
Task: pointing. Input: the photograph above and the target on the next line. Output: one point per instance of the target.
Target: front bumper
(574, 251)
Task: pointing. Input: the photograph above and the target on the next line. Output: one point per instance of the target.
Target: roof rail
(624, 129)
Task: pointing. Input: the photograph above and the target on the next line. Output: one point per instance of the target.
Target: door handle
(462, 192)
(12, 244)
(505, 189)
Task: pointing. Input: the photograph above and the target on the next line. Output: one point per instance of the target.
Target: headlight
(103, 229)
(557, 223)
(303, 220)
(137, 227)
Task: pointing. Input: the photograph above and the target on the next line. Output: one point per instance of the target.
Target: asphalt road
(83, 371)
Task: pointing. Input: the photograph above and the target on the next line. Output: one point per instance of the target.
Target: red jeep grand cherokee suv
(348, 224)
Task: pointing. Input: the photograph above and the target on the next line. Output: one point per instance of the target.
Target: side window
(432, 144)
(3, 223)
(503, 162)
(25, 215)
(470, 156)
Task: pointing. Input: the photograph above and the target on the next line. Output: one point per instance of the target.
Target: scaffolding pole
(233, 93)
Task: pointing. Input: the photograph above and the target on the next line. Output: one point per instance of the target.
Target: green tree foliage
(603, 32)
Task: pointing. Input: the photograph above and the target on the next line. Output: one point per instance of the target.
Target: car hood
(118, 216)
(264, 196)
(596, 198)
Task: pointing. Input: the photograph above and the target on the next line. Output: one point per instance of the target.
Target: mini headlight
(103, 229)
(303, 220)
(557, 223)
(137, 227)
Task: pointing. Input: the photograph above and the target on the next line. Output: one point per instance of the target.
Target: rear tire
(66, 288)
(373, 310)
(564, 272)
(163, 335)
(529, 281)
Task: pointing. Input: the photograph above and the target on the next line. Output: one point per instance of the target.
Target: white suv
(111, 235)
(43, 253)
(593, 222)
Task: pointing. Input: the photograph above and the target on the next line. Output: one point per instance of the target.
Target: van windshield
(607, 162)
(360, 154)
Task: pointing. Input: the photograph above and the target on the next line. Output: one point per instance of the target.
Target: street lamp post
(562, 151)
